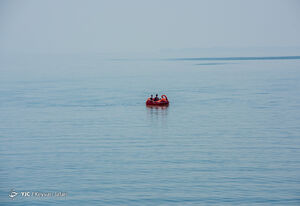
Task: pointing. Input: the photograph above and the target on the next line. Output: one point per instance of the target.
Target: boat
(162, 102)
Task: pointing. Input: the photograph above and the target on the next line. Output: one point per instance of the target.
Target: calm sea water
(231, 135)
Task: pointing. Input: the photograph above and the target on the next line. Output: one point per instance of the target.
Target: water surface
(230, 136)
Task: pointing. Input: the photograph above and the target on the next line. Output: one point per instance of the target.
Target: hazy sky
(137, 25)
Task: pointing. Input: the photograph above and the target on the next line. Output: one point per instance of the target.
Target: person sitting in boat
(151, 98)
(156, 98)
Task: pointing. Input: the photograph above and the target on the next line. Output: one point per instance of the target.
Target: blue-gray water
(230, 136)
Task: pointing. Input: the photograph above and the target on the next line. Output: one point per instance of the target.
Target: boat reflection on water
(152, 107)
(157, 113)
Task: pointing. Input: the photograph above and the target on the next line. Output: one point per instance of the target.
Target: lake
(79, 125)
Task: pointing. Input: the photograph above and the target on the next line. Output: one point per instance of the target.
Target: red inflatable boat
(162, 102)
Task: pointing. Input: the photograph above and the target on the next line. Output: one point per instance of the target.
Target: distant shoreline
(234, 58)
